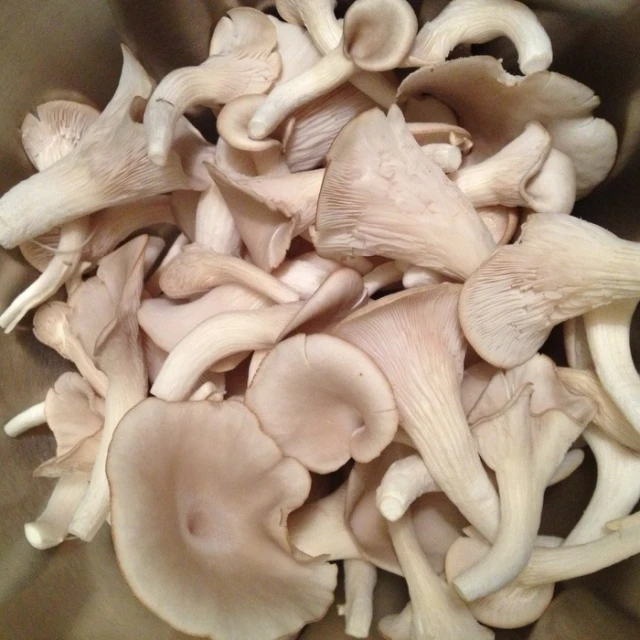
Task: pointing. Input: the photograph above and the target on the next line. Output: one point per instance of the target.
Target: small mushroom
(241, 61)
(216, 493)
(360, 48)
(29, 418)
(608, 331)
(560, 267)
(360, 579)
(318, 376)
(479, 21)
(376, 167)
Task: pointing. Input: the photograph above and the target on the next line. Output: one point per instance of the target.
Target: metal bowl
(59, 48)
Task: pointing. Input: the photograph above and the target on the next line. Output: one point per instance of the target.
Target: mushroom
(360, 48)
(414, 338)
(617, 487)
(118, 350)
(326, 32)
(197, 270)
(525, 599)
(436, 609)
(524, 449)
(220, 562)
(323, 401)
(494, 106)
(108, 166)
(608, 331)
(518, 175)
(477, 22)
(360, 579)
(382, 276)
(376, 167)
(241, 61)
(29, 418)
(559, 267)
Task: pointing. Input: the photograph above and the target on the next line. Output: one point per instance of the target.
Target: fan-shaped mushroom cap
(382, 196)
(323, 401)
(560, 267)
(494, 107)
(199, 527)
(477, 22)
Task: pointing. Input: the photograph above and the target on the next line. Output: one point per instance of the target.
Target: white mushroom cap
(323, 401)
(199, 527)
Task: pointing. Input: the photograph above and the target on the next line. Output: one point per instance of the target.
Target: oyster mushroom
(560, 267)
(337, 405)
(241, 60)
(360, 48)
(360, 579)
(376, 167)
(477, 22)
(220, 563)
(415, 340)
(495, 106)
(108, 166)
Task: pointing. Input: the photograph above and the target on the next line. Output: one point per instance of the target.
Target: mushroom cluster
(316, 340)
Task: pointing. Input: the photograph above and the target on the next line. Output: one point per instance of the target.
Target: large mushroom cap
(323, 401)
(200, 501)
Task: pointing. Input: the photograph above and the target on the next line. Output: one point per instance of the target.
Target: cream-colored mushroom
(479, 21)
(414, 338)
(241, 60)
(494, 106)
(323, 401)
(360, 48)
(326, 32)
(376, 168)
(559, 267)
(109, 166)
(220, 563)
(360, 579)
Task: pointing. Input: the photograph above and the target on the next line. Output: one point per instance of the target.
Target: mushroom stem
(360, 579)
(218, 337)
(567, 562)
(63, 264)
(477, 22)
(437, 611)
(332, 70)
(52, 526)
(617, 487)
(405, 481)
(608, 332)
(25, 420)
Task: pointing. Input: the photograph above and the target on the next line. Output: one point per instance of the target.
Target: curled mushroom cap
(216, 494)
(494, 106)
(560, 267)
(323, 401)
(478, 21)
(375, 168)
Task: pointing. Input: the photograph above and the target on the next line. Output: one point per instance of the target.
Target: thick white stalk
(608, 332)
(25, 420)
(360, 579)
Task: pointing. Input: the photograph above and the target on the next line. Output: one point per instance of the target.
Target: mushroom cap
(362, 41)
(199, 527)
(323, 401)
(494, 106)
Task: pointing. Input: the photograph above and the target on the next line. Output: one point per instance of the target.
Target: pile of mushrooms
(317, 340)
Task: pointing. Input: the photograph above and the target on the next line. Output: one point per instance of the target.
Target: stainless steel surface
(58, 47)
